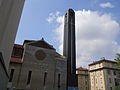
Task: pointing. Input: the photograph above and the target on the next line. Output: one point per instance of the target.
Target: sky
(97, 26)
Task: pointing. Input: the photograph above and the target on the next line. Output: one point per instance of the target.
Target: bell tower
(69, 49)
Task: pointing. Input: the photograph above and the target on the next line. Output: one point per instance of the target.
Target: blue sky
(34, 24)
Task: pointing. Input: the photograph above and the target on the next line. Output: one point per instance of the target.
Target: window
(11, 75)
(29, 77)
(59, 81)
(96, 80)
(109, 72)
(110, 88)
(116, 81)
(17, 52)
(101, 79)
(114, 72)
(85, 82)
(110, 80)
(119, 74)
(45, 77)
(100, 65)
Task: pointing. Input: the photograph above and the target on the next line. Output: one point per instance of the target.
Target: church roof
(41, 43)
(18, 46)
(28, 41)
(59, 55)
(15, 60)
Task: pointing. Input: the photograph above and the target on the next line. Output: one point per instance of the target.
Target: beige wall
(103, 64)
(97, 80)
(83, 80)
(100, 79)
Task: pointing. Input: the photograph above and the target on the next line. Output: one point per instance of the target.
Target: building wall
(16, 74)
(97, 80)
(83, 80)
(110, 76)
(38, 68)
(103, 75)
(61, 69)
(10, 12)
(54, 67)
(3, 77)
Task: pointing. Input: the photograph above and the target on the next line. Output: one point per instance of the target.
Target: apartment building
(83, 78)
(104, 75)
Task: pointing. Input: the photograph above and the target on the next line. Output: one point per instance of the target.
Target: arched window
(29, 77)
(59, 80)
(45, 78)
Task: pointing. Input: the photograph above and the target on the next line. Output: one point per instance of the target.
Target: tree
(118, 66)
(118, 60)
(117, 88)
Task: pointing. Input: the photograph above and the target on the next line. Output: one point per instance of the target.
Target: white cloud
(106, 5)
(53, 16)
(95, 35)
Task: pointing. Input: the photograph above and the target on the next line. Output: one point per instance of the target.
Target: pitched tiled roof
(42, 43)
(59, 55)
(28, 41)
(18, 46)
(82, 69)
(16, 60)
(103, 60)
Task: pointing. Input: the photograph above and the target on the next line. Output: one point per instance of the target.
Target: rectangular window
(110, 88)
(11, 75)
(85, 82)
(17, 52)
(96, 80)
(29, 77)
(114, 72)
(116, 81)
(45, 78)
(119, 75)
(110, 80)
(109, 72)
(59, 81)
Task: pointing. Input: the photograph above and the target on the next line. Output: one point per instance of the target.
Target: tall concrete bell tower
(69, 49)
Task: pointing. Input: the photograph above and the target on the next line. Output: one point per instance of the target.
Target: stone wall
(4, 75)
(10, 13)
(61, 69)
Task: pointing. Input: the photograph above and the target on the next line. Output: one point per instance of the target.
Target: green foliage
(117, 88)
(118, 60)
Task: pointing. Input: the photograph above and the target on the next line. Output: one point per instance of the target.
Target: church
(36, 65)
